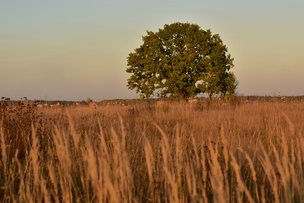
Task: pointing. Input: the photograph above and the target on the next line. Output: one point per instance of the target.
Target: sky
(75, 49)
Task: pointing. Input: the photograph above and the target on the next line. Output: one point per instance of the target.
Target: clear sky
(74, 49)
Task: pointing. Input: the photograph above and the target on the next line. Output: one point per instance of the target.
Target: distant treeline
(152, 100)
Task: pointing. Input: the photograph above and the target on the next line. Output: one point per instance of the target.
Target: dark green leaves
(181, 60)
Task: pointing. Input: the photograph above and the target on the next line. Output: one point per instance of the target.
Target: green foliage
(180, 61)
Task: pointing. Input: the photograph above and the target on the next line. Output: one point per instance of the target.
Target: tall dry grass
(250, 152)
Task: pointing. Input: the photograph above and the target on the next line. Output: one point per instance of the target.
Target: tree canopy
(180, 61)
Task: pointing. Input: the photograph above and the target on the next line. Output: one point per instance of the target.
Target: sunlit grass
(220, 152)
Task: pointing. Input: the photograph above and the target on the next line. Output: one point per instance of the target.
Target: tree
(180, 61)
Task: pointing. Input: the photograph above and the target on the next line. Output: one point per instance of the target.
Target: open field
(221, 152)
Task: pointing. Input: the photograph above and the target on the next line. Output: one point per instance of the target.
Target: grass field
(221, 152)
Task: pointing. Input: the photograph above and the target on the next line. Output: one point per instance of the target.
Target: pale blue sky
(74, 49)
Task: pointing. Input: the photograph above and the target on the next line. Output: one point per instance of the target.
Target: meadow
(224, 151)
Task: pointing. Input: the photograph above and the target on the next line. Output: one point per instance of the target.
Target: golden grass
(252, 152)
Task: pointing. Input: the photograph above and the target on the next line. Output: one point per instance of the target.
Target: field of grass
(220, 152)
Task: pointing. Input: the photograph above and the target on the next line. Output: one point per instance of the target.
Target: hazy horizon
(72, 50)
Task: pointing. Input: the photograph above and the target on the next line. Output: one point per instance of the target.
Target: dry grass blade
(170, 175)
(241, 188)
(270, 173)
(253, 175)
(217, 177)
(290, 124)
(149, 159)
(3, 152)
